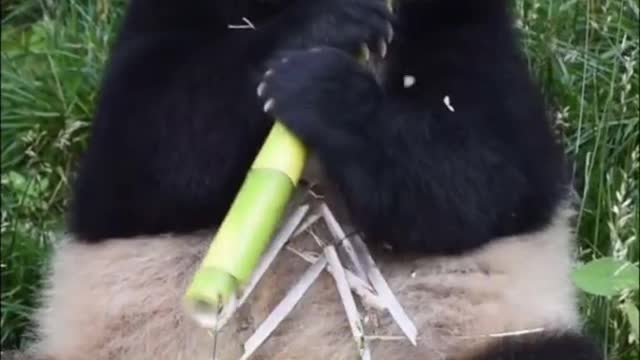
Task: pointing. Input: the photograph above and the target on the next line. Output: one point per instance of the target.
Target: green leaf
(606, 276)
(633, 315)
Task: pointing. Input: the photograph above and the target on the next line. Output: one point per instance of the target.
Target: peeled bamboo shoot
(250, 223)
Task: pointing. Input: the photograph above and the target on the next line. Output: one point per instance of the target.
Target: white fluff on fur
(122, 300)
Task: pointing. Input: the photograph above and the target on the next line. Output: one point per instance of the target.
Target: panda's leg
(561, 346)
(122, 299)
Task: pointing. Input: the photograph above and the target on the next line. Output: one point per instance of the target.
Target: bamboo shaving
(339, 234)
(504, 334)
(283, 308)
(516, 333)
(384, 291)
(357, 285)
(370, 271)
(247, 25)
(385, 337)
(311, 219)
(408, 81)
(447, 103)
(307, 256)
(353, 280)
(368, 282)
(270, 254)
(348, 301)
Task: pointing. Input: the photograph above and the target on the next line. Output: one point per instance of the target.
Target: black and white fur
(456, 169)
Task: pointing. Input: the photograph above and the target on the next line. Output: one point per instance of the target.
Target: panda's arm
(178, 121)
(427, 186)
(463, 156)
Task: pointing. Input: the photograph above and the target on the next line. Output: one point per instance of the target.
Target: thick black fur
(179, 120)
(535, 347)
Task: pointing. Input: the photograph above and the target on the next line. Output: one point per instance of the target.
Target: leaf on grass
(606, 276)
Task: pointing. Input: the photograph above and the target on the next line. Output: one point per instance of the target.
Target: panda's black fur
(443, 152)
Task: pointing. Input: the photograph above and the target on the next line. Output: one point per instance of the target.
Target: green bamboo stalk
(250, 223)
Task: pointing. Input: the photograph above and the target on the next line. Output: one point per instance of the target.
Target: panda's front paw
(354, 26)
(323, 95)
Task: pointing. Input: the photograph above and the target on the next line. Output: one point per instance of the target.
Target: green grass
(584, 52)
(52, 60)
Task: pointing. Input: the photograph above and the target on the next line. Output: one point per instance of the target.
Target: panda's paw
(320, 94)
(348, 25)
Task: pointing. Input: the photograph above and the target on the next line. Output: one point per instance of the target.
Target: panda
(440, 150)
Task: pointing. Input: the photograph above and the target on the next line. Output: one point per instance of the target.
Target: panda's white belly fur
(122, 300)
